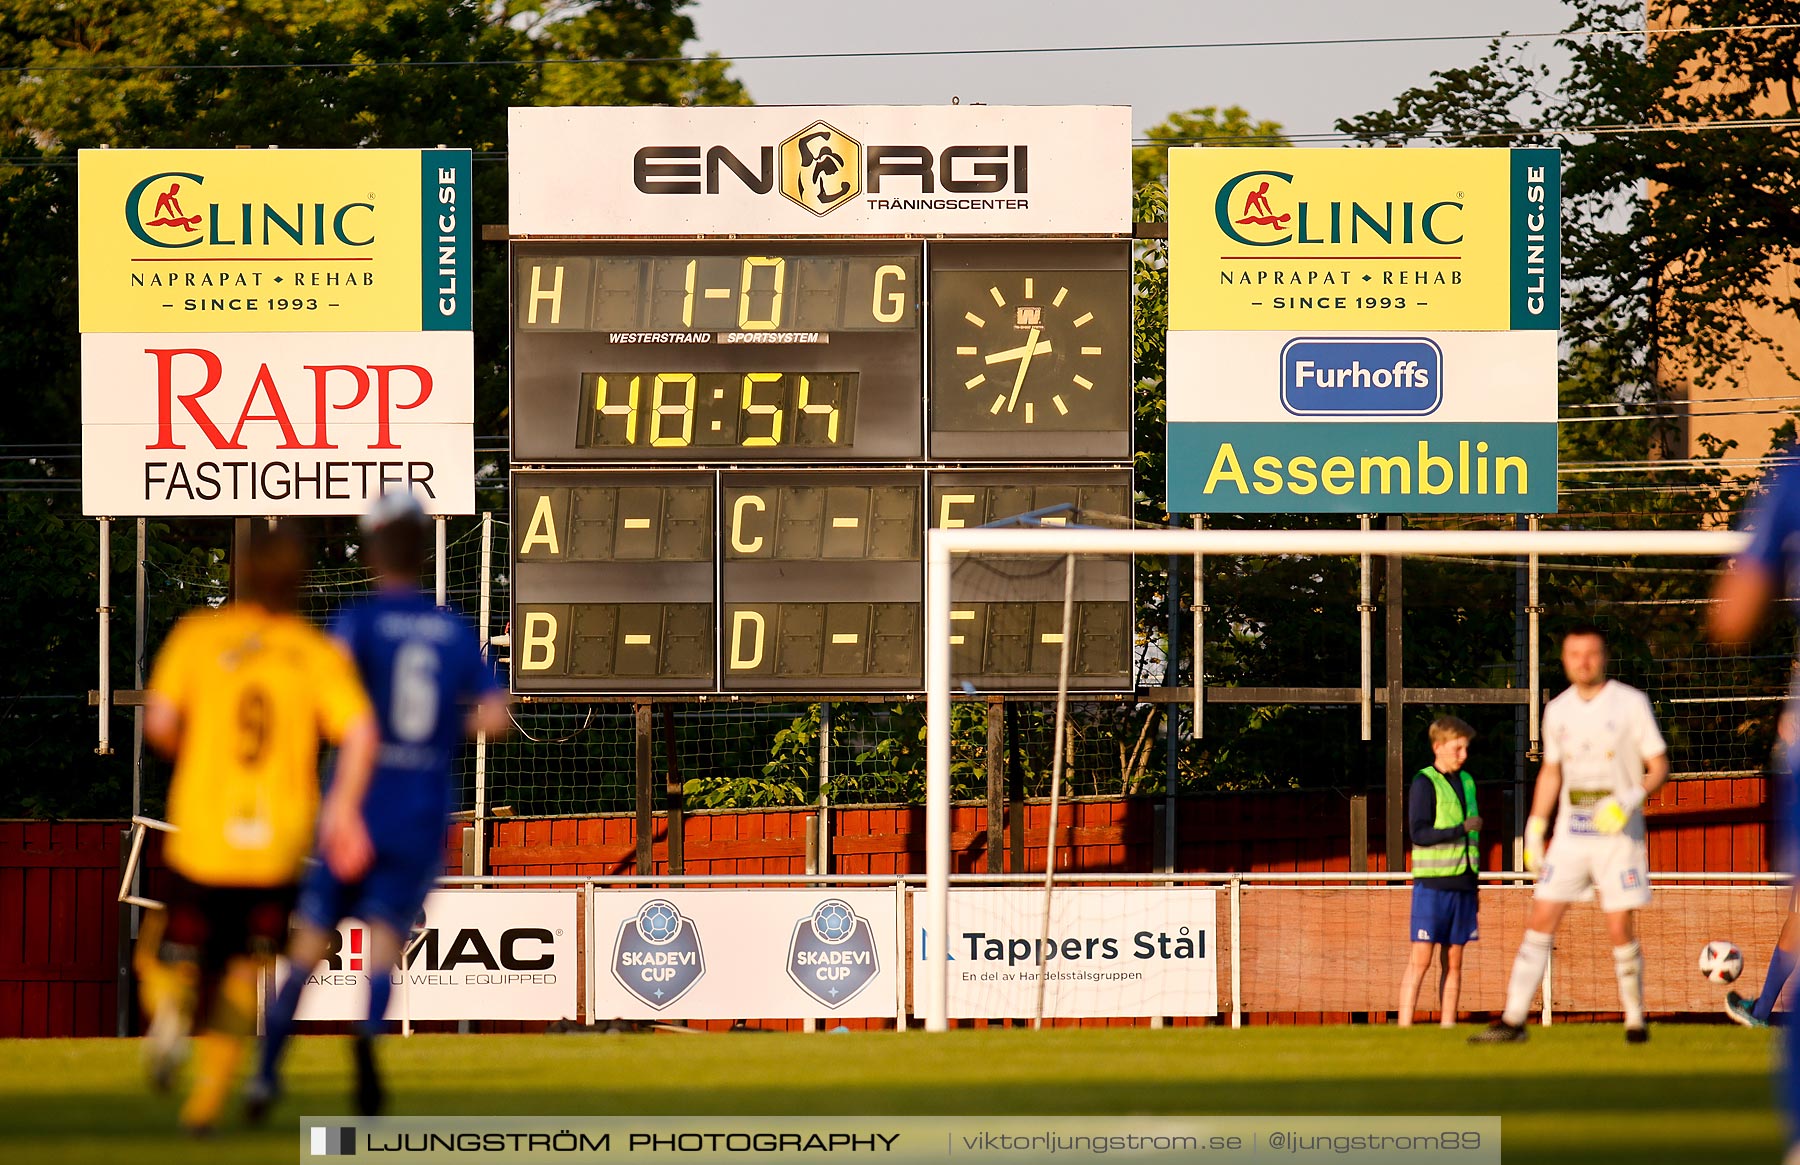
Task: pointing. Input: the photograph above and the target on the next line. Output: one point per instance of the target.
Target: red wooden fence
(58, 881)
(58, 928)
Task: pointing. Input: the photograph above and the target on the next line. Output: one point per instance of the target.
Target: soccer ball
(1721, 962)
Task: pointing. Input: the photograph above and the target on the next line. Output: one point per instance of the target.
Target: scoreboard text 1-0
(727, 454)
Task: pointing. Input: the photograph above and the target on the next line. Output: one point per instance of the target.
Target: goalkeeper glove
(1534, 844)
(1612, 813)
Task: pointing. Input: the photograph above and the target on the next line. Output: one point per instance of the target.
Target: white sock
(1628, 964)
(1527, 974)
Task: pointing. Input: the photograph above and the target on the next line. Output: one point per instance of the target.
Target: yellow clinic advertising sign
(275, 240)
(1378, 239)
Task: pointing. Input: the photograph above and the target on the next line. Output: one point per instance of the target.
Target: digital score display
(718, 411)
(768, 581)
(1006, 613)
(750, 291)
(716, 352)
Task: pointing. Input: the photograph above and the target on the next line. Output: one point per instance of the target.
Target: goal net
(1717, 719)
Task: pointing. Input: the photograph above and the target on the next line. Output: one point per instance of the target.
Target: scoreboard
(727, 451)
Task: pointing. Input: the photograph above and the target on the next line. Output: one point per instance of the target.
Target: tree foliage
(1207, 125)
(1681, 185)
(181, 74)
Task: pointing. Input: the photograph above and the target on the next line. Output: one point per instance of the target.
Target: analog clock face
(1031, 351)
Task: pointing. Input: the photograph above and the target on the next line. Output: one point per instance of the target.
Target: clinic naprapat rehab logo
(275, 240)
(831, 956)
(1409, 239)
(657, 956)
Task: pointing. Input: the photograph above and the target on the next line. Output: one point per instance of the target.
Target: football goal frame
(944, 546)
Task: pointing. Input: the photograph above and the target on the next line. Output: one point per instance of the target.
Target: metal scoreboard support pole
(104, 747)
(440, 532)
(936, 937)
(484, 619)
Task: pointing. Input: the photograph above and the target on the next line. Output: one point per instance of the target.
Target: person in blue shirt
(1769, 566)
(424, 672)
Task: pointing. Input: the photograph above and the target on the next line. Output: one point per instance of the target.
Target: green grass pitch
(1575, 1093)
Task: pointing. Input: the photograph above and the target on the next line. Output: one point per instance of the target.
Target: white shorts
(1618, 867)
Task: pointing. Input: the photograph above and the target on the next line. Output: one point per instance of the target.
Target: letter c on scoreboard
(739, 543)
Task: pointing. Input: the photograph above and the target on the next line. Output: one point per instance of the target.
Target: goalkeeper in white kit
(1603, 757)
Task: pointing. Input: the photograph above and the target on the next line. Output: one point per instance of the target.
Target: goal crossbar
(942, 546)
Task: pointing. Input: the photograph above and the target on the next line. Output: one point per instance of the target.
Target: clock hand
(1020, 352)
(1025, 363)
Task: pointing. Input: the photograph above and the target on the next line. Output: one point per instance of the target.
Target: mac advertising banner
(1363, 331)
(481, 954)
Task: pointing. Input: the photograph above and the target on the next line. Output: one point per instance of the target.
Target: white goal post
(943, 545)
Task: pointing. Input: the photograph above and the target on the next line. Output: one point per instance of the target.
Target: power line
(1678, 127)
(1710, 400)
(1609, 129)
(1676, 416)
(913, 54)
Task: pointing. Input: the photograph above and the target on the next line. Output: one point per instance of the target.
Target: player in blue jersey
(423, 668)
(1768, 567)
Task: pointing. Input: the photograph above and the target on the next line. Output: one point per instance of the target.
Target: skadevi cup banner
(275, 240)
(729, 954)
(1129, 952)
(821, 170)
(485, 954)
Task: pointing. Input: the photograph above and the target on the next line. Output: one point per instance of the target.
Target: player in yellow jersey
(240, 699)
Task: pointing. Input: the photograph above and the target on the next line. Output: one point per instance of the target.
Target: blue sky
(1304, 88)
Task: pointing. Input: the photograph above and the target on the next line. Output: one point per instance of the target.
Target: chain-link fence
(1269, 622)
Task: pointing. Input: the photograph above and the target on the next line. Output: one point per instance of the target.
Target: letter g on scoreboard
(1373, 376)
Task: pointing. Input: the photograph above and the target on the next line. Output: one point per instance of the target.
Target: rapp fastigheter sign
(306, 423)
